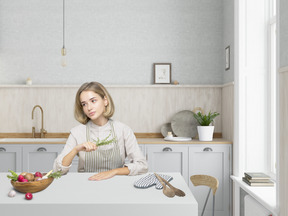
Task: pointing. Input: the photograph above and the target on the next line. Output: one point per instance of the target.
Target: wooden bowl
(32, 187)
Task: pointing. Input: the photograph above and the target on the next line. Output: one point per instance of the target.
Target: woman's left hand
(103, 175)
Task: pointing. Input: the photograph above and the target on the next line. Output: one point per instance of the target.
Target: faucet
(43, 131)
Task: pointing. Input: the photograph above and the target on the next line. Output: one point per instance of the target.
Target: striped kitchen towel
(150, 180)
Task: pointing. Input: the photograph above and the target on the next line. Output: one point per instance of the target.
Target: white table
(73, 194)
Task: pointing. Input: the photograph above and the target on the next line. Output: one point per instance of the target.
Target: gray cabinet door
(213, 160)
(40, 157)
(10, 158)
(168, 158)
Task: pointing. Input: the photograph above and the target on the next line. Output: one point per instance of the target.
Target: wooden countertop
(142, 138)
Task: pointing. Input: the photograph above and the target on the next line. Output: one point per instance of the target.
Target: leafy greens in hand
(105, 141)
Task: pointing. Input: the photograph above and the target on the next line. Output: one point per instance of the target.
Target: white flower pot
(205, 133)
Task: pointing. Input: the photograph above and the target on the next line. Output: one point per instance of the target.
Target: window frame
(272, 72)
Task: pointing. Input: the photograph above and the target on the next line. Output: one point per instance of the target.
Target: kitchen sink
(33, 140)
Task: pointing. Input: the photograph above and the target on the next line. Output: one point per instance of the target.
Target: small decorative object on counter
(176, 82)
(183, 124)
(12, 193)
(205, 130)
(28, 81)
(165, 128)
(169, 134)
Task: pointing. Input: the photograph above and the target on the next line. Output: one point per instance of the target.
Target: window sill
(264, 195)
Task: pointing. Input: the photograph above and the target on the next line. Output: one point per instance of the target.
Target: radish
(20, 178)
(24, 180)
(38, 174)
(28, 196)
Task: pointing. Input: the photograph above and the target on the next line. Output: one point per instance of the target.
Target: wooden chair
(206, 180)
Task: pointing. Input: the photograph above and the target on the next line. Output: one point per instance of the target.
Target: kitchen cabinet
(213, 160)
(40, 157)
(10, 158)
(31, 157)
(168, 158)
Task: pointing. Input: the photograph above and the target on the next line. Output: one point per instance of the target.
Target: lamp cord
(63, 23)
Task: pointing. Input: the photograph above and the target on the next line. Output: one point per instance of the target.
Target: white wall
(113, 42)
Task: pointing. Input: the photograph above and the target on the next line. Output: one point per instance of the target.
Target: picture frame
(162, 73)
(227, 58)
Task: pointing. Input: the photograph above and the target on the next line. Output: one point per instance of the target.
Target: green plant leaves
(14, 176)
(205, 120)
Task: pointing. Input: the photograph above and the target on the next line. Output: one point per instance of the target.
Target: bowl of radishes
(27, 182)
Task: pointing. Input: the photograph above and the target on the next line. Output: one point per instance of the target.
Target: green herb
(205, 120)
(105, 141)
(14, 176)
(55, 175)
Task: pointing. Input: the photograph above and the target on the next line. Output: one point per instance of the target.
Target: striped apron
(103, 159)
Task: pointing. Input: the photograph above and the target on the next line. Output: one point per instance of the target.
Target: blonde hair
(98, 89)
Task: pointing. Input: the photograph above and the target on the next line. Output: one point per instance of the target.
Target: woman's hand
(87, 147)
(109, 174)
(103, 175)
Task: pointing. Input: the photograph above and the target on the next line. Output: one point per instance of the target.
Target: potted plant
(205, 130)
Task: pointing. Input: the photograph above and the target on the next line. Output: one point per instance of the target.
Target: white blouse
(126, 140)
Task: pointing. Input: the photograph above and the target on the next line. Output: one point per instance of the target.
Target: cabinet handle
(2, 149)
(41, 149)
(207, 149)
(167, 149)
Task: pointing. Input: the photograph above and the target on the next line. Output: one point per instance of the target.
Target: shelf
(264, 195)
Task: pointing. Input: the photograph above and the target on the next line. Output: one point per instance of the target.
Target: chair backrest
(207, 180)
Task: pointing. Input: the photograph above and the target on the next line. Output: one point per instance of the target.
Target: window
(255, 87)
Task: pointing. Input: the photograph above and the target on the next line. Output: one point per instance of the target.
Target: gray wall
(228, 37)
(283, 33)
(114, 42)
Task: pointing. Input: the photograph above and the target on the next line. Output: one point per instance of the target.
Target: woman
(94, 108)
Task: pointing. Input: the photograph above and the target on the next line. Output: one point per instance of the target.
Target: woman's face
(94, 106)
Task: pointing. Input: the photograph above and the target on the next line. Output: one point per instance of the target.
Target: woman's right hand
(87, 147)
